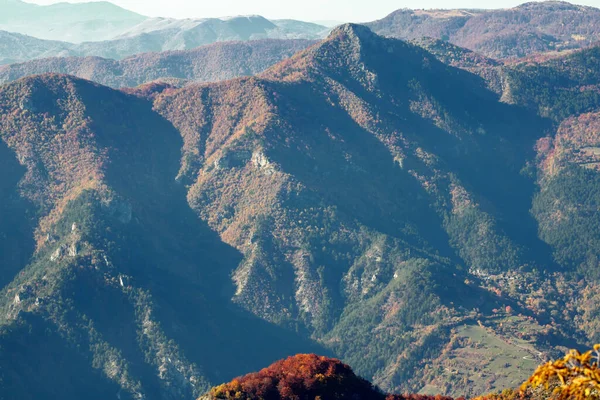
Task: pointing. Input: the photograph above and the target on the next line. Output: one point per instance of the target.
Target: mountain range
(105, 30)
(82, 23)
(93, 294)
(335, 203)
(157, 35)
(427, 213)
(530, 28)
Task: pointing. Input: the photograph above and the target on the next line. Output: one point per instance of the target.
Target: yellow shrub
(578, 376)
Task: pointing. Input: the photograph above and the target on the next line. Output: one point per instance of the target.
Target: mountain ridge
(213, 62)
(361, 196)
(530, 28)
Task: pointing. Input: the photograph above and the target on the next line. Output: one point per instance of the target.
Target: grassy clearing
(482, 361)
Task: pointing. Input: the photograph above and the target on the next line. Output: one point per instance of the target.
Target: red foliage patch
(306, 376)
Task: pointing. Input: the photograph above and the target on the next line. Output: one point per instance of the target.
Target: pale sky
(307, 10)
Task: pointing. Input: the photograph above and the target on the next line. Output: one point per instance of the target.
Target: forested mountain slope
(352, 188)
(361, 195)
(127, 290)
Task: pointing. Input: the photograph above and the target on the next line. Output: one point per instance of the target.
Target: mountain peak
(344, 47)
(352, 30)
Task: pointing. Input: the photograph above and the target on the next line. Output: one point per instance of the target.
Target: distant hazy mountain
(304, 30)
(101, 29)
(67, 22)
(517, 32)
(185, 32)
(105, 30)
(214, 62)
(160, 34)
(15, 47)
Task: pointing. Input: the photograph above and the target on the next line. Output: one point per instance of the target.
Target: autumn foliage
(305, 376)
(576, 376)
(298, 377)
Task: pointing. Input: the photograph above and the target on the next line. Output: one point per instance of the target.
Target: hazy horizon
(308, 10)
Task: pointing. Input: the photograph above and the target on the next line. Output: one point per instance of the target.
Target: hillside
(530, 28)
(567, 204)
(455, 56)
(556, 87)
(360, 199)
(67, 22)
(491, 70)
(214, 62)
(125, 289)
(344, 221)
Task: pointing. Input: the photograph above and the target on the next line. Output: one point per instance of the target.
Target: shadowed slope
(354, 177)
(124, 273)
